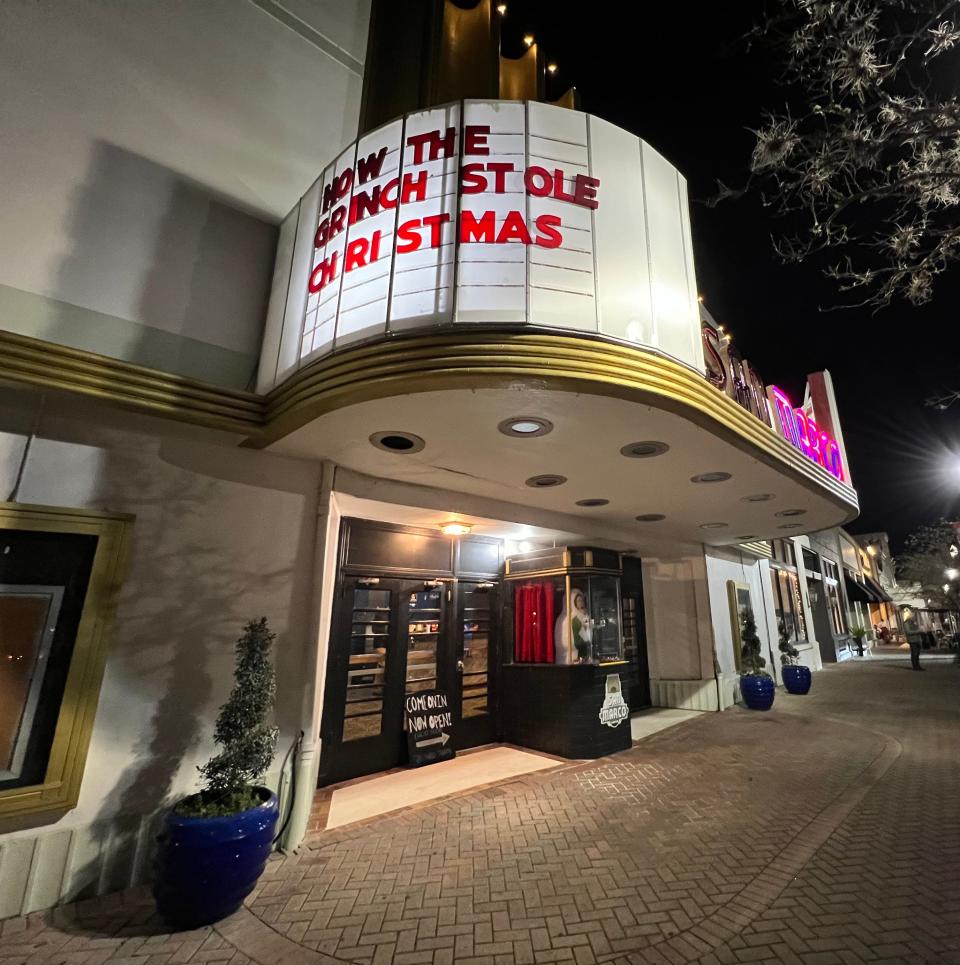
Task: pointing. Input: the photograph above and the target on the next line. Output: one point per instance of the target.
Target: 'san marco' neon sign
(804, 434)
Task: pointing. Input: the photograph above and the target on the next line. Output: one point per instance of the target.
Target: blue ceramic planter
(797, 679)
(757, 692)
(205, 867)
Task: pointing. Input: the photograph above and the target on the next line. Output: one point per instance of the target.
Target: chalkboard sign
(429, 724)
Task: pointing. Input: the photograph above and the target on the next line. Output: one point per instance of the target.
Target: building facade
(424, 379)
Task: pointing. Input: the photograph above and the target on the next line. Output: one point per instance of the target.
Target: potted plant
(858, 633)
(756, 685)
(796, 677)
(215, 843)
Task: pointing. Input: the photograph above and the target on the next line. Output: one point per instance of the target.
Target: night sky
(680, 77)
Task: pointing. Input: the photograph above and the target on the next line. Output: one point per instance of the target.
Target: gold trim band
(454, 359)
(478, 359)
(46, 365)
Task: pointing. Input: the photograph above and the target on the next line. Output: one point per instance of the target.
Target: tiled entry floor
(406, 787)
(395, 790)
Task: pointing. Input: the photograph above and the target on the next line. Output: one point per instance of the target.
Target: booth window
(549, 628)
(59, 571)
(787, 602)
(535, 608)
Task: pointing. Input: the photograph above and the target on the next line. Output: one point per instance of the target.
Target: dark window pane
(371, 546)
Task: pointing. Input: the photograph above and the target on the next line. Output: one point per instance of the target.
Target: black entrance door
(393, 637)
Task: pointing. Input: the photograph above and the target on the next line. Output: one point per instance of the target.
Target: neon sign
(804, 434)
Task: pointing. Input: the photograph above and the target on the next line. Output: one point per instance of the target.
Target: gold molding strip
(46, 365)
(482, 359)
(60, 789)
(453, 359)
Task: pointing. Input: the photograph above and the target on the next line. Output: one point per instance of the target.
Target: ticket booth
(566, 677)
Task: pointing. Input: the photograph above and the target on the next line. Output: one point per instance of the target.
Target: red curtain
(533, 619)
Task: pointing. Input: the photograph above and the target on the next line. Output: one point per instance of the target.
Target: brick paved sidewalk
(827, 831)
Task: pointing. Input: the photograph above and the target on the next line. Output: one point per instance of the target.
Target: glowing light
(455, 528)
(950, 573)
(872, 550)
(502, 9)
(528, 40)
(804, 434)
(524, 546)
(551, 68)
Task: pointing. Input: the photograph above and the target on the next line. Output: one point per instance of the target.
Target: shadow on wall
(201, 568)
(169, 275)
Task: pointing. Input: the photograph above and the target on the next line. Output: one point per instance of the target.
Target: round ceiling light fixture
(455, 528)
(394, 441)
(710, 477)
(546, 481)
(650, 518)
(525, 426)
(791, 512)
(757, 498)
(714, 525)
(644, 450)
(593, 502)
(790, 526)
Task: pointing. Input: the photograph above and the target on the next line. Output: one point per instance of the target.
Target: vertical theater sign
(729, 372)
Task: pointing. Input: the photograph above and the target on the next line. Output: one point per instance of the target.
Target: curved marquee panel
(496, 213)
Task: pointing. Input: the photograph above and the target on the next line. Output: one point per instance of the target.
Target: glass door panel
(371, 646)
(475, 615)
(424, 628)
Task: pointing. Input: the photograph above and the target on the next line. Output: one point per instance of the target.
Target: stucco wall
(221, 535)
(149, 151)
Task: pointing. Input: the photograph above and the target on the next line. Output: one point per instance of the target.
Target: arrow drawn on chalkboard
(442, 739)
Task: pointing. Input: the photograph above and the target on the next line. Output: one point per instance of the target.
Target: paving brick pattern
(827, 831)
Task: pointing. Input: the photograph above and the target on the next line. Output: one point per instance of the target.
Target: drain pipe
(306, 766)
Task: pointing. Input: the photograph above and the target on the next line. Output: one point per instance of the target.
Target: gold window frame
(734, 589)
(60, 789)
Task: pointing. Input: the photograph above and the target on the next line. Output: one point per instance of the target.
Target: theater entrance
(393, 635)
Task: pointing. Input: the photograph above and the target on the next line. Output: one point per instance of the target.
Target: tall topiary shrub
(789, 654)
(243, 731)
(750, 659)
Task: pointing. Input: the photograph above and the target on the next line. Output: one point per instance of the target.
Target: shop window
(787, 602)
(831, 579)
(59, 574)
(783, 552)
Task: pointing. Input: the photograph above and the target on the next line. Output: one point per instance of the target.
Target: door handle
(459, 666)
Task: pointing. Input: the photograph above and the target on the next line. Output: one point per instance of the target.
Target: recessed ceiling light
(525, 426)
(455, 528)
(710, 477)
(790, 526)
(545, 481)
(650, 517)
(713, 525)
(644, 450)
(593, 502)
(392, 441)
(751, 536)
(791, 512)
(757, 498)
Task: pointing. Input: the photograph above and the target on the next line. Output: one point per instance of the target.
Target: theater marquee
(486, 212)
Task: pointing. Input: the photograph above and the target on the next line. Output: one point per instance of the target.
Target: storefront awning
(857, 592)
(878, 591)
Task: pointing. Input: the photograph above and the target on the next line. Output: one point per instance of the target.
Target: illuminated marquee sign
(499, 213)
(804, 433)
(489, 226)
